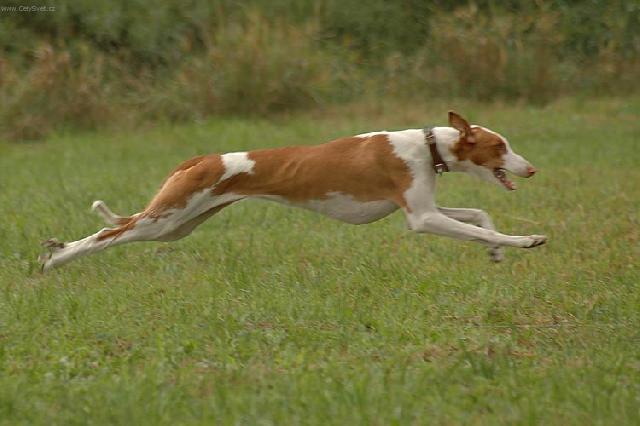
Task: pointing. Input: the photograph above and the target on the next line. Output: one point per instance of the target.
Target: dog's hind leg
(479, 218)
(184, 201)
(191, 224)
(170, 226)
(59, 253)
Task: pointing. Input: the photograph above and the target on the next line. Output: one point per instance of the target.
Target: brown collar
(438, 164)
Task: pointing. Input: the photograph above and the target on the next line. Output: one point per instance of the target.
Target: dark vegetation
(94, 62)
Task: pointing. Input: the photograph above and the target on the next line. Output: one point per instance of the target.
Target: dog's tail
(110, 217)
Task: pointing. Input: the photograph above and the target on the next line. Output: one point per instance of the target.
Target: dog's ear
(460, 124)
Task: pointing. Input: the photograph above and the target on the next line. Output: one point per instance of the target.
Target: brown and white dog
(356, 180)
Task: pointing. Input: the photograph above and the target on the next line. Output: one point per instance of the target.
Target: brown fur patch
(364, 167)
(189, 177)
(487, 150)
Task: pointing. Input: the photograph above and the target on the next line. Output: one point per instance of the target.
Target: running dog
(357, 180)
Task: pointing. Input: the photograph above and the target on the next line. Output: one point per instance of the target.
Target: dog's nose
(531, 170)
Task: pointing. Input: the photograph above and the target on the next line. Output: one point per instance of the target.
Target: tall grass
(57, 88)
(254, 66)
(91, 63)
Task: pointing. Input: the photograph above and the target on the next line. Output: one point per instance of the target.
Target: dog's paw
(534, 241)
(496, 254)
(43, 261)
(52, 245)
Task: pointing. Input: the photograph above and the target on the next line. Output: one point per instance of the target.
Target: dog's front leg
(479, 218)
(437, 223)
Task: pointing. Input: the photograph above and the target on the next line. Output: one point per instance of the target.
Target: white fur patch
(236, 163)
(347, 209)
(369, 134)
(410, 146)
(198, 203)
(342, 207)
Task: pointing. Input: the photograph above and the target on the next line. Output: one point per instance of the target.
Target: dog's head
(487, 154)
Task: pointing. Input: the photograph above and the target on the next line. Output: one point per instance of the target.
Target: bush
(55, 91)
(256, 66)
(95, 62)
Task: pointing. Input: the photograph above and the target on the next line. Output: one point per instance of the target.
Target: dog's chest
(345, 208)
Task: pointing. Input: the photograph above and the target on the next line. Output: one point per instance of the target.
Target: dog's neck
(446, 138)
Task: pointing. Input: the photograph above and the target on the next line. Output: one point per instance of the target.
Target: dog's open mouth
(501, 175)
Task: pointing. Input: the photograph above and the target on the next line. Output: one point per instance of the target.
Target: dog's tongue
(501, 175)
(509, 185)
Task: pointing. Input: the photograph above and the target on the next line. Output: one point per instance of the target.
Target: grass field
(268, 315)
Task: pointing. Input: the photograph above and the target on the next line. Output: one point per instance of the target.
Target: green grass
(268, 315)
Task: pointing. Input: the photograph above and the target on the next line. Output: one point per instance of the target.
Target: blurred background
(86, 64)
